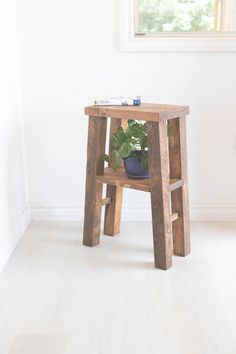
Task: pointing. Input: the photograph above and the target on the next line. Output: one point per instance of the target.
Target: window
(163, 16)
(177, 25)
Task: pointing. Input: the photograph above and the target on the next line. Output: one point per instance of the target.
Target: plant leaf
(144, 160)
(125, 150)
(106, 158)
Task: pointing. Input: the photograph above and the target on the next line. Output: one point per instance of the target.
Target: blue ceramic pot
(133, 166)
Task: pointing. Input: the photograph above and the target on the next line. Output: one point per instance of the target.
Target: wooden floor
(59, 297)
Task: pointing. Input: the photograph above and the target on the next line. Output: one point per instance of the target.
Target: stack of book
(118, 101)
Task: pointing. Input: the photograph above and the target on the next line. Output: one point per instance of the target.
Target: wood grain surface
(146, 111)
(160, 196)
(179, 197)
(114, 192)
(93, 194)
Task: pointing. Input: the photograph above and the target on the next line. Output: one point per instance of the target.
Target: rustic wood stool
(167, 184)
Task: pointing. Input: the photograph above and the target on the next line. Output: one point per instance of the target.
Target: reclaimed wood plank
(119, 178)
(146, 111)
(179, 197)
(159, 185)
(114, 192)
(93, 194)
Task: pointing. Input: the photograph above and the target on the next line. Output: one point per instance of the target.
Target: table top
(146, 111)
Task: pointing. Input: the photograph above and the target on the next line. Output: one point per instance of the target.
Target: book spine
(118, 101)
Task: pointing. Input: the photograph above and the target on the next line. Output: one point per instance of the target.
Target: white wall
(69, 54)
(14, 213)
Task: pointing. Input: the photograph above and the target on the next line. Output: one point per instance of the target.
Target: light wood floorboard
(60, 297)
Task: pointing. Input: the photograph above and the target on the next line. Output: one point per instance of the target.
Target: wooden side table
(167, 184)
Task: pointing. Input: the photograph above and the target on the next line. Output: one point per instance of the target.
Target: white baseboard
(198, 212)
(14, 237)
(62, 212)
(56, 212)
(213, 212)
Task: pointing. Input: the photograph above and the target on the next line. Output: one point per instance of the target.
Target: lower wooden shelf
(119, 178)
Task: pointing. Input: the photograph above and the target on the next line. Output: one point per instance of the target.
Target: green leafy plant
(127, 142)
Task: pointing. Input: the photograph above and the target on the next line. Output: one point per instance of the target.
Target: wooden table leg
(179, 197)
(160, 197)
(113, 209)
(93, 193)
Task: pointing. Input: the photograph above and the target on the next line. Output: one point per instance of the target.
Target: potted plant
(130, 146)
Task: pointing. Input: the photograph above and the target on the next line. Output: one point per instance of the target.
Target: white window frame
(168, 42)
